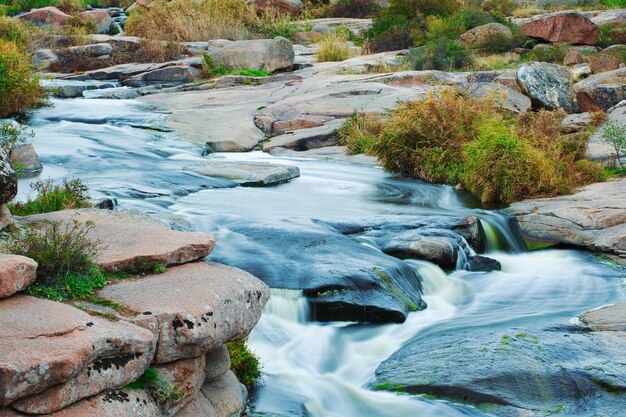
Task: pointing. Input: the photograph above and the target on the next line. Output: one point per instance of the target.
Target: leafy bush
(333, 47)
(360, 132)
(441, 54)
(13, 135)
(19, 86)
(15, 30)
(72, 194)
(612, 34)
(454, 139)
(244, 363)
(63, 254)
(615, 135)
(354, 8)
(500, 7)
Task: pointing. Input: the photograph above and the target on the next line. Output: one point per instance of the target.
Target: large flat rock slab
(308, 138)
(611, 318)
(251, 174)
(16, 274)
(131, 241)
(198, 307)
(593, 218)
(50, 345)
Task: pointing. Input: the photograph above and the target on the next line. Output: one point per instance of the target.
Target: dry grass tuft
(333, 47)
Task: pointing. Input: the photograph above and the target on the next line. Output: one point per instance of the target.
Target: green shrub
(64, 256)
(19, 86)
(354, 8)
(553, 54)
(612, 35)
(499, 167)
(333, 47)
(15, 30)
(244, 363)
(13, 135)
(441, 54)
(500, 7)
(454, 139)
(359, 132)
(71, 194)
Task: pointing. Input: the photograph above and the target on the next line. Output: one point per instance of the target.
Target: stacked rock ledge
(60, 361)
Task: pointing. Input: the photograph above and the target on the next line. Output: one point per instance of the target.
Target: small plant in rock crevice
(160, 388)
(245, 365)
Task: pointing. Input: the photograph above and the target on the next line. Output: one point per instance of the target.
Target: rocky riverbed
(390, 296)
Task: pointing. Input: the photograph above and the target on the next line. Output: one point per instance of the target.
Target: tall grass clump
(63, 253)
(360, 132)
(19, 86)
(71, 194)
(187, 20)
(333, 47)
(455, 139)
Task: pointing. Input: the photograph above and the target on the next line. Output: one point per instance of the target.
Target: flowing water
(318, 369)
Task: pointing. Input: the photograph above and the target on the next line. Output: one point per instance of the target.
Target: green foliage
(19, 86)
(63, 254)
(15, 30)
(499, 167)
(553, 54)
(454, 139)
(244, 363)
(360, 132)
(499, 7)
(71, 194)
(615, 135)
(211, 70)
(354, 8)
(161, 389)
(13, 135)
(440, 54)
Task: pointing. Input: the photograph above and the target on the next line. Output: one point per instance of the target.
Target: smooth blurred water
(121, 149)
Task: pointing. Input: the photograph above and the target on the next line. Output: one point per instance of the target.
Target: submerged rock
(342, 279)
(509, 372)
(250, 174)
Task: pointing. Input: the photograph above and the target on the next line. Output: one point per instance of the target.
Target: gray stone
(610, 17)
(504, 97)
(580, 71)
(217, 363)
(254, 174)
(601, 91)
(199, 406)
(226, 394)
(44, 59)
(177, 74)
(512, 372)
(291, 7)
(597, 148)
(607, 319)
(484, 35)
(305, 139)
(261, 54)
(26, 158)
(548, 85)
(8, 179)
(573, 123)
(93, 50)
(198, 307)
(328, 153)
(593, 218)
(6, 219)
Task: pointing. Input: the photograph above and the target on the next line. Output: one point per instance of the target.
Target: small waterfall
(499, 235)
(290, 305)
